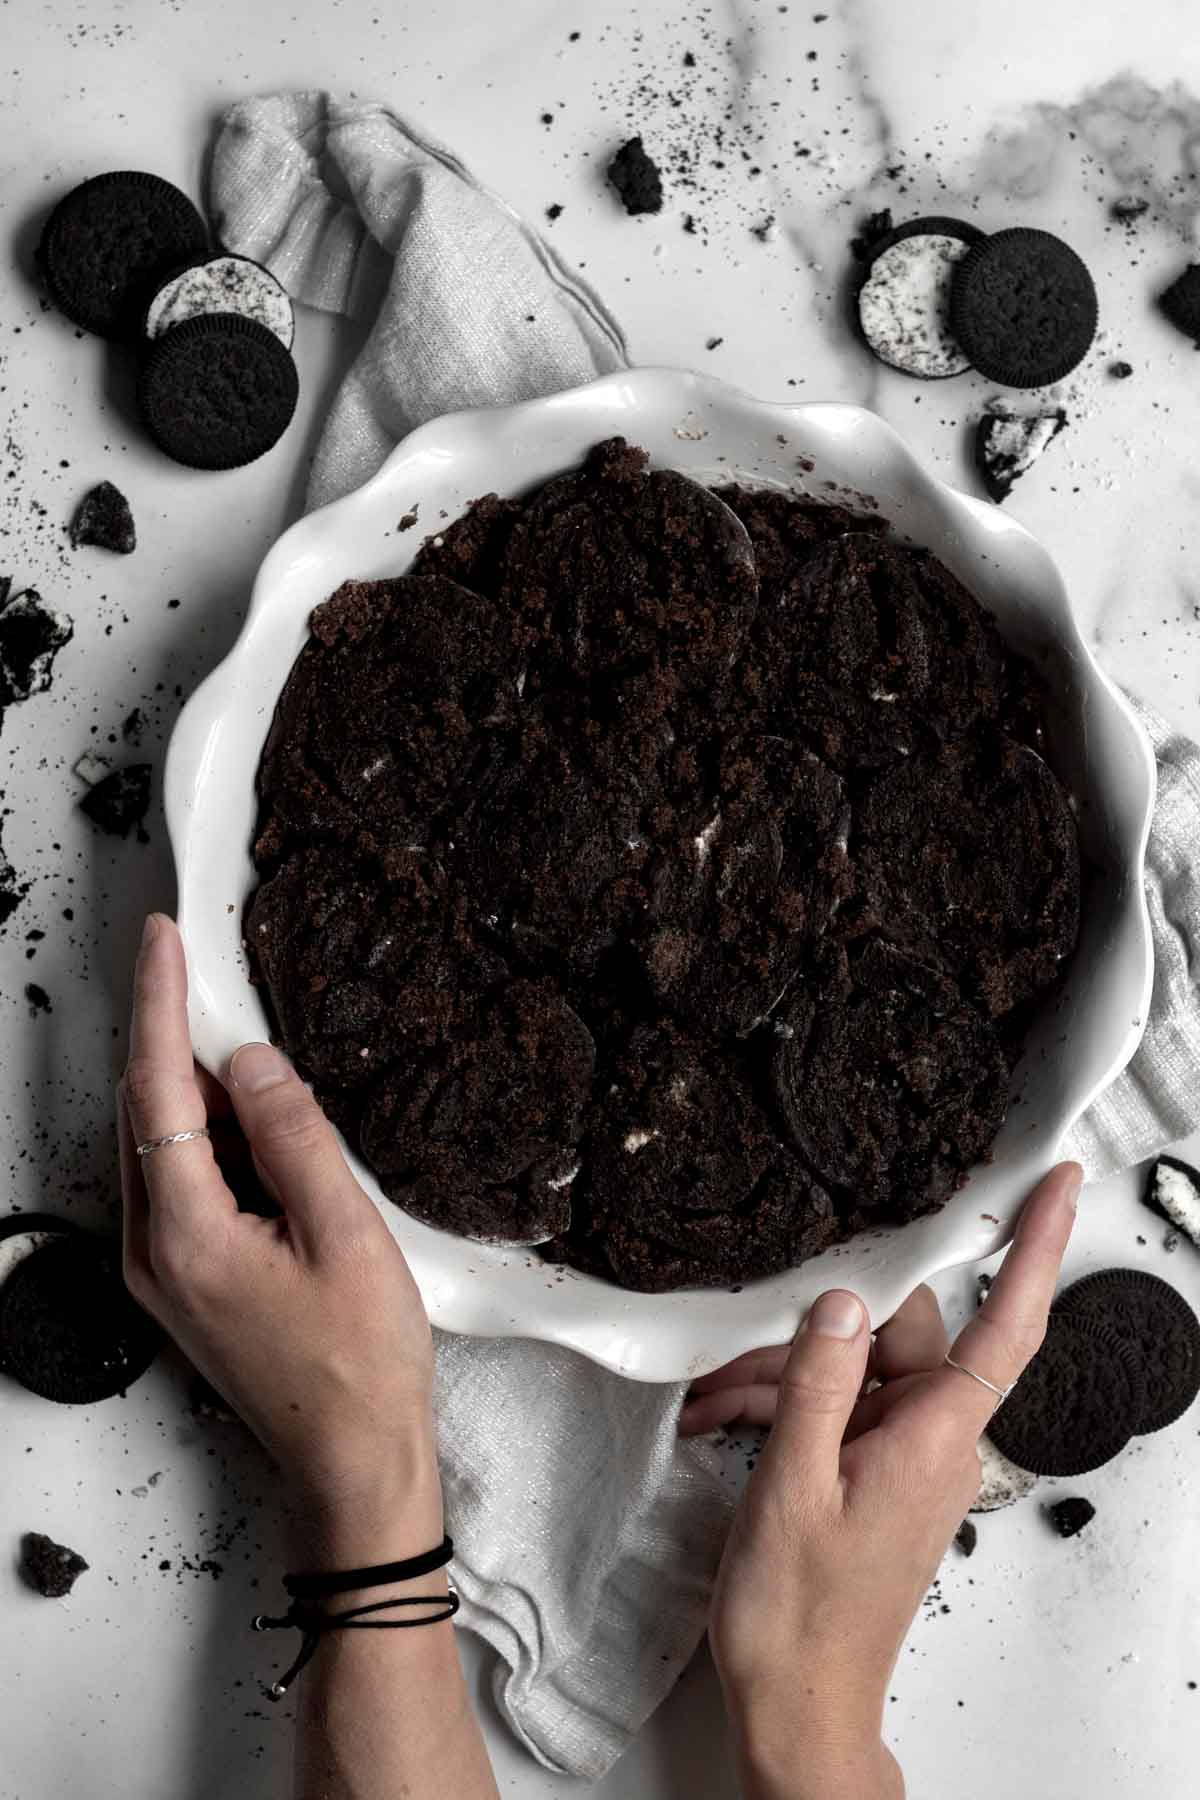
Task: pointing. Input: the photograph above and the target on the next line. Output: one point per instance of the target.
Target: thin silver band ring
(176, 1137)
(1000, 1393)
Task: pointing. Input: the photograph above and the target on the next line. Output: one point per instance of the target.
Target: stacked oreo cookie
(936, 297)
(1121, 1359)
(662, 873)
(126, 255)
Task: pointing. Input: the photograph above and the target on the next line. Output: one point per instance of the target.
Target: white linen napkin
(586, 1535)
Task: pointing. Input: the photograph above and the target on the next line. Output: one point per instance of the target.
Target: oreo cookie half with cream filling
(1007, 446)
(904, 299)
(1001, 1483)
(1173, 1192)
(222, 284)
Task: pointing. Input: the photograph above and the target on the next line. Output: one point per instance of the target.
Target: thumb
(819, 1388)
(294, 1145)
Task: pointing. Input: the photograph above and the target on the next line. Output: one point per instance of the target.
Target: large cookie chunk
(734, 907)
(874, 650)
(684, 1182)
(890, 1084)
(969, 858)
(622, 569)
(391, 707)
(365, 970)
(459, 1136)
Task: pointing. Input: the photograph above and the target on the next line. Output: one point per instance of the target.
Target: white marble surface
(1071, 1661)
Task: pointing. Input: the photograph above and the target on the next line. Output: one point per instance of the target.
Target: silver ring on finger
(1000, 1393)
(175, 1137)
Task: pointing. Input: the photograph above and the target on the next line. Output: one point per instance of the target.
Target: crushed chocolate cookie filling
(607, 852)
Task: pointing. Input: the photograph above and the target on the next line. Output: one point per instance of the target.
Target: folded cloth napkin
(586, 1535)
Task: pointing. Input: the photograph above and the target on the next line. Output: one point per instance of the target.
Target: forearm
(383, 1713)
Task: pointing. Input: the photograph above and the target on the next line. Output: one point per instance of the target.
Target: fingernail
(1072, 1182)
(837, 1315)
(257, 1067)
(149, 930)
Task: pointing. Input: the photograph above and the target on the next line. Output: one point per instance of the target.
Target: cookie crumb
(119, 803)
(636, 177)
(50, 1569)
(103, 518)
(1068, 1517)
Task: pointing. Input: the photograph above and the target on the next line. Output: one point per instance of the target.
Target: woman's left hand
(308, 1322)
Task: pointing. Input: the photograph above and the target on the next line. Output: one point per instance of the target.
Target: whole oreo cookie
(1158, 1324)
(1023, 306)
(222, 284)
(108, 243)
(1078, 1403)
(904, 297)
(69, 1330)
(218, 391)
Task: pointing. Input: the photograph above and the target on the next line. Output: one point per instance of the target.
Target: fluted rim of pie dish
(1088, 1031)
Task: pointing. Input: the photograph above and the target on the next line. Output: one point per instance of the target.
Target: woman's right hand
(310, 1323)
(848, 1514)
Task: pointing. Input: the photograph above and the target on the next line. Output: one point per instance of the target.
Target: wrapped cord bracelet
(305, 1615)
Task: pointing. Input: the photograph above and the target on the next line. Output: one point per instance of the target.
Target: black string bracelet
(304, 1615)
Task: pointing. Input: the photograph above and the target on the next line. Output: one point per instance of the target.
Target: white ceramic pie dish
(1079, 1043)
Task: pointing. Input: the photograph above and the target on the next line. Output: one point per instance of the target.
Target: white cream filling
(1179, 1199)
(223, 284)
(1000, 1482)
(904, 305)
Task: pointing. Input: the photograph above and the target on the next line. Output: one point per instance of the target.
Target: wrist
(852, 1770)
(351, 1517)
(795, 1741)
